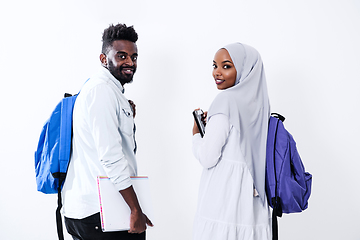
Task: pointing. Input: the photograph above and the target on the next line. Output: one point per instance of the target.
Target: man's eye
(122, 56)
(134, 58)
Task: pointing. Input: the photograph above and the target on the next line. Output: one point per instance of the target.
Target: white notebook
(114, 211)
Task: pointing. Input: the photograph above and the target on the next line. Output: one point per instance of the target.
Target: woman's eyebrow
(227, 61)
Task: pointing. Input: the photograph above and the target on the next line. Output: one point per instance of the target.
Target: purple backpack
(288, 186)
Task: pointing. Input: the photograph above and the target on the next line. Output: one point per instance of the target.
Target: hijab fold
(247, 106)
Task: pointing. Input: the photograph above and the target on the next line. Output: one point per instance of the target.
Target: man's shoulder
(100, 80)
(98, 89)
(95, 82)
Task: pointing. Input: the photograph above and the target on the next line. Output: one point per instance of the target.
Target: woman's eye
(214, 66)
(226, 66)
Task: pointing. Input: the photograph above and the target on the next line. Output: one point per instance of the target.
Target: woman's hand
(203, 119)
(195, 128)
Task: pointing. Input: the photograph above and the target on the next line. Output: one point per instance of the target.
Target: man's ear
(103, 60)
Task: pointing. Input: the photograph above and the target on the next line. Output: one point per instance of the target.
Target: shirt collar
(104, 71)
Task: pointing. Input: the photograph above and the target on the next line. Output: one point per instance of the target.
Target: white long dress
(228, 205)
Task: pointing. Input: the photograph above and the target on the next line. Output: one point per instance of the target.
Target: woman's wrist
(195, 129)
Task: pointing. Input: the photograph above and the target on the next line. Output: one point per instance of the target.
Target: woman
(232, 202)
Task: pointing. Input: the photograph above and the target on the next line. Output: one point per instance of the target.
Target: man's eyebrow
(122, 52)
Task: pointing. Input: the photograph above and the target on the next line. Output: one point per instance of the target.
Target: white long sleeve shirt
(103, 144)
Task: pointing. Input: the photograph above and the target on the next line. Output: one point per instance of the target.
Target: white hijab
(247, 106)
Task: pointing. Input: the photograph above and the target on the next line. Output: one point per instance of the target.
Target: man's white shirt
(103, 144)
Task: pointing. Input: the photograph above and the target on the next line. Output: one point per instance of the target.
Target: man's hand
(138, 220)
(133, 106)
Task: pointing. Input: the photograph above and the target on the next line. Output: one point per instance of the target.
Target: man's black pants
(89, 228)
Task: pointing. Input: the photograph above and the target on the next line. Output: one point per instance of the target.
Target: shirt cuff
(124, 184)
(196, 136)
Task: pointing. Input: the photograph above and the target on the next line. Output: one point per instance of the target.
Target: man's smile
(127, 70)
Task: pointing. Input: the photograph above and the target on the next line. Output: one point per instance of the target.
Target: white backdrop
(311, 54)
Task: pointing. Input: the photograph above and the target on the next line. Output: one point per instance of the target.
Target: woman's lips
(219, 81)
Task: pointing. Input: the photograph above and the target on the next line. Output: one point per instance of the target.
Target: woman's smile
(219, 81)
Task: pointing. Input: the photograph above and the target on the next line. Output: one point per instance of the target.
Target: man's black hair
(117, 32)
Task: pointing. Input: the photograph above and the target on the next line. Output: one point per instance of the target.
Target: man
(103, 141)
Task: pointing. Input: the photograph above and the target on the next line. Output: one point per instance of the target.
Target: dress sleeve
(208, 149)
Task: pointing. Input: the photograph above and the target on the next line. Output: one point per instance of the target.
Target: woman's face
(224, 71)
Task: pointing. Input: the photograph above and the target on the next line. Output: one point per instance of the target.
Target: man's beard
(119, 75)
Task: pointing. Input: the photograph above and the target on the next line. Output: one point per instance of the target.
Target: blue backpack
(52, 155)
(288, 186)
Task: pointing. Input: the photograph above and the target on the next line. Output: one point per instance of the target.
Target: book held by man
(114, 211)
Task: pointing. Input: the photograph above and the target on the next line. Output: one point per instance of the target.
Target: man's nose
(129, 61)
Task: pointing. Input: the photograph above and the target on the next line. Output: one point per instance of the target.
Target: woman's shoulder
(221, 104)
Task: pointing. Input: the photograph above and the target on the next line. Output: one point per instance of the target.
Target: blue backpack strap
(275, 119)
(276, 201)
(67, 106)
(279, 116)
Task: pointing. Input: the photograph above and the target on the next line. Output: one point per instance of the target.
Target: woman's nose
(217, 72)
